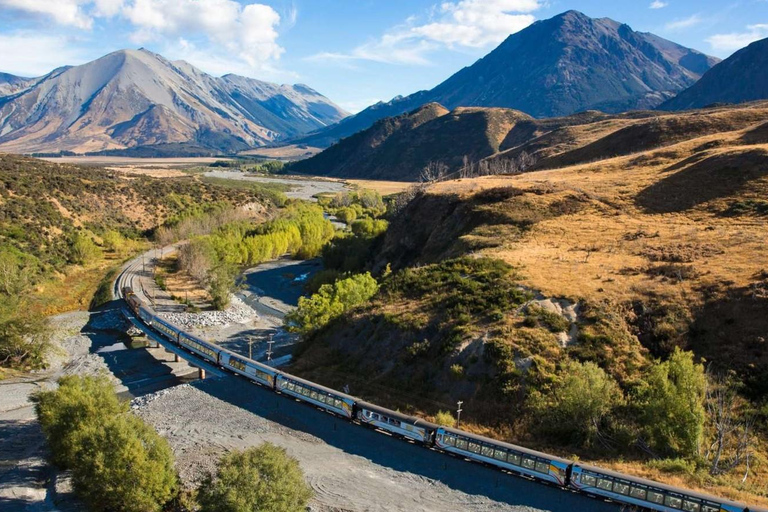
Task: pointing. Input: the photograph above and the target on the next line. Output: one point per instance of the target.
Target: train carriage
(134, 303)
(253, 370)
(167, 329)
(507, 456)
(200, 347)
(646, 493)
(325, 398)
(397, 423)
(146, 315)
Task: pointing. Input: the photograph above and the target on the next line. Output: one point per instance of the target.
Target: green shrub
(674, 466)
(330, 302)
(445, 419)
(124, 466)
(68, 412)
(24, 335)
(263, 479)
(457, 371)
(118, 463)
(577, 405)
(346, 214)
(83, 250)
(672, 410)
(537, 316)
(369, 228)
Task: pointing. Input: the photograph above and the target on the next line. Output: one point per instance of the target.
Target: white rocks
(237, 313)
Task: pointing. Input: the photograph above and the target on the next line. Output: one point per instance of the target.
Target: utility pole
(250, 347)
(143, 269)
(458, 413)
(269, 347)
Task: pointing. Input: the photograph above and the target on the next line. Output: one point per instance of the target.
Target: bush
(263, 479)
(83, 250)
(118, 463)
(330, 302)
(369, 228)
(445, 419)
(125, 466)
(672, 410)
(24, 336)
(576, 406)
(537, 316)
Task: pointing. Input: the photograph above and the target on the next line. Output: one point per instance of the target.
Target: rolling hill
(738, 79)
(138, 99)
(555, 67)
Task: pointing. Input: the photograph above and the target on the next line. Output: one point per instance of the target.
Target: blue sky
(356, 52)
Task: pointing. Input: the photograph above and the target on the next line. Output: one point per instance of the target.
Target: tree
(331, 301)
(731, 428)
(124, 466)
(24, 335)
(83, 250)
(263, 479)
(118, 463)
(67, 412)
(577, 404)
(672, 410)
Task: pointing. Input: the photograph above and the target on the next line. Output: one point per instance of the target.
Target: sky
(356, 52)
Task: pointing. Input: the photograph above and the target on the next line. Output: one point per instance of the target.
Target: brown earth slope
(648, 233)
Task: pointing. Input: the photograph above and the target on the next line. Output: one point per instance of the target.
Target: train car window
(513, 458)
(621, 488)
(588, 480)
(474, 447)
(707, 508)
(638, 493)
(604, 484)
(461, 444)
(500, 455)
(529, 463)
(339, 403)
(321, 398)
(690, 506)
(449, 440)
(313, 395)
(542, 467)
(673, 502)
(655, 497)
(487, 451)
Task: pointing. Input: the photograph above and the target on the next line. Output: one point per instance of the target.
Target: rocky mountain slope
(555, 67)
(136, 98)
(738, 79)
(10, 84)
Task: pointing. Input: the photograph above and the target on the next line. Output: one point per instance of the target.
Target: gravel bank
(349, 467)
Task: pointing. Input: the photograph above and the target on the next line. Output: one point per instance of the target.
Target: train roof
(318, 386)
(652, 483)
(397, 415)
(521, 449)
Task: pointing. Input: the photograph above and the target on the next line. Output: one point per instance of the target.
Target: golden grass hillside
(648, 233)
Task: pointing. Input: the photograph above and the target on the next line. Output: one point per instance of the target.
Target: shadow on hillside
(714, 177)
(137, 369)
(732, 329)
(380, 449)
(757, 135)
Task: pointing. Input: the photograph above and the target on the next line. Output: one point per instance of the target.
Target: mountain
(10, 84)
(737, 79)
(399, 148)
(137, 99)
(555, 67)
(504, 141)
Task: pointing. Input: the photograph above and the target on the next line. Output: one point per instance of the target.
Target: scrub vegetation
(63, 228)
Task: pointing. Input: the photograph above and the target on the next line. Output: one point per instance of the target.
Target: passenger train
(637, 493)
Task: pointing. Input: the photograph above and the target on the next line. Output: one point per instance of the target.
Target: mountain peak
(739, 78)
(135, 97)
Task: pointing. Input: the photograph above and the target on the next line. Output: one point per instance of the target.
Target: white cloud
(31, 54)
(684, 23)
(246, 32)
(63, 12)
(658, 4)
(466, 23)
(737, 40)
